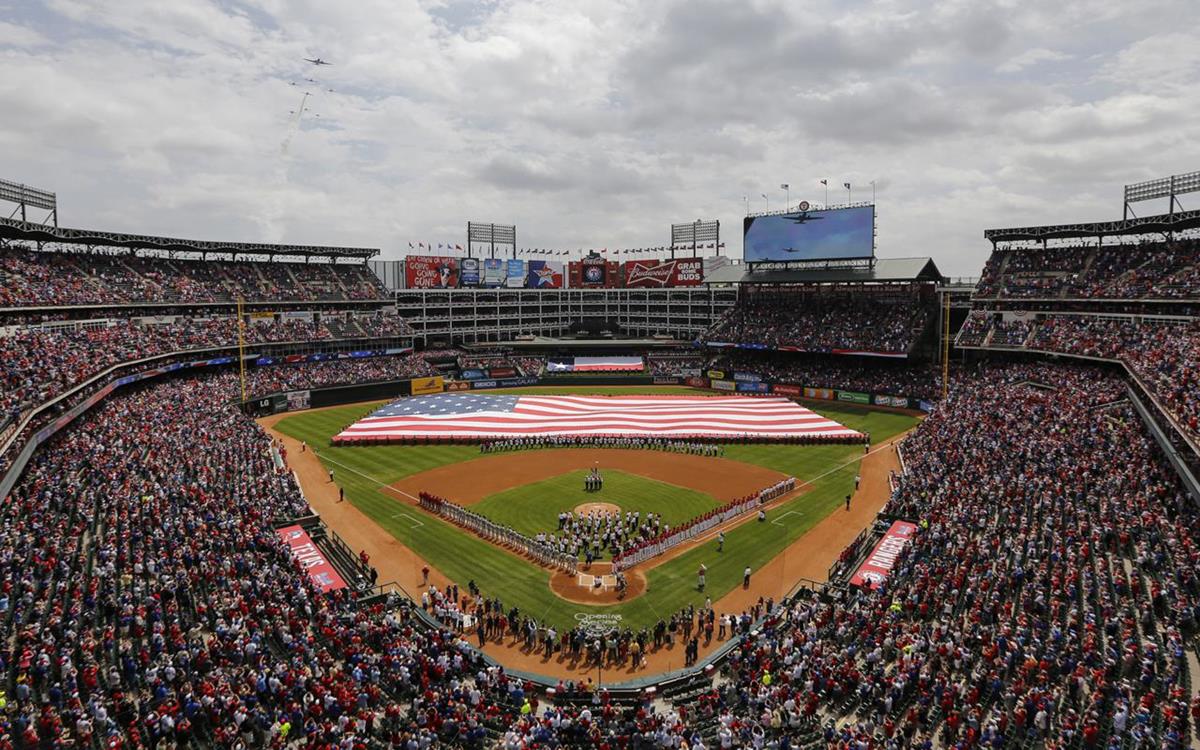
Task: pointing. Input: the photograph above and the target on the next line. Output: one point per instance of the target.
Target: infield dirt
(468, 482)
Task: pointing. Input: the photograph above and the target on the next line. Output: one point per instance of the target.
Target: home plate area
(599, 584)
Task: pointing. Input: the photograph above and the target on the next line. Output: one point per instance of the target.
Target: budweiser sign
(684, 272)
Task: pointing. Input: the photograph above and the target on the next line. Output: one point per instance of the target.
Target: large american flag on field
(471, 415)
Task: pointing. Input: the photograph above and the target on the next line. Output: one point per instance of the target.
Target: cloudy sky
(594, 123)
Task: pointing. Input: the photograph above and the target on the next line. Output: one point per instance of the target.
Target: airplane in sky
(316, 61)
(802, 217)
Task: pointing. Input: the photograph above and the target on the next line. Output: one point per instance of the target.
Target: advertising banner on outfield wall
(505, 383)
(724, 385)
(458, 386)
(469, 272)
(745, 387)
(898, 402)
(854, 397)
(746, 377)
(697, 382)
(515, 277)
(493, 272)
(545, 274)
(297, 400)
(666, 381)
(660, 273)
(821, 393)
(322, 573)
(594, 271)
(879, 563)
(716, 374)
(787, 390)
(422, 386)
(430, 272)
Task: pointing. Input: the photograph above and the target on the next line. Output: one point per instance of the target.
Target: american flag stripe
(487, 417)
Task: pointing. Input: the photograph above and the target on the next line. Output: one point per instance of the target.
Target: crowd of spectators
(40, 362)
(501, 363)
(850, 320)
(866, 375)
(974, 329)
(1153, 270)
(29, 277)
(326, 373)
(1048, 596)
(1163, 354)
(148, 601)
(1011, 332)
(674, 364)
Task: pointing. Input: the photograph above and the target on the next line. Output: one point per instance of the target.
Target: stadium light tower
(29, 197)
(1163, 187)
(695, 234)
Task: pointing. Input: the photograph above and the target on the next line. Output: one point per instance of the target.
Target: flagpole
(787, 198)
(826, 181)
(872, 192)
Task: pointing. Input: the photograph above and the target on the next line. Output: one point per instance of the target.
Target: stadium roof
(1176, 222)
(28, 231)
(883, 270)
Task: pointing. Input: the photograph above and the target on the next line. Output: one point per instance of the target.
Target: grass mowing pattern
(364, 472)
(535, 507)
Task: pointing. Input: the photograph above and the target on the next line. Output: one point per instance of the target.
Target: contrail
(293, 125)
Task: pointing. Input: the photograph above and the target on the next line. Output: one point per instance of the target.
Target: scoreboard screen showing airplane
(838, 234)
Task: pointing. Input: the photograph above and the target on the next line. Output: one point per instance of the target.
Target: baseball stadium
(762, 486)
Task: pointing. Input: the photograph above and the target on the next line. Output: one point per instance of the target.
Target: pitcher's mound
(585, 508)
(597, 585)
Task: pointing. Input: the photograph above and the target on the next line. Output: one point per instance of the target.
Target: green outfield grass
(366, 472)
(535, 507)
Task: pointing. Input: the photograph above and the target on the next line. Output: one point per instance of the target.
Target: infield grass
(535, 507)
(365, 473)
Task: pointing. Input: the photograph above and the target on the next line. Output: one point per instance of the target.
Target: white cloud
(1030, 58)
(591, 123)
(12, 35)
